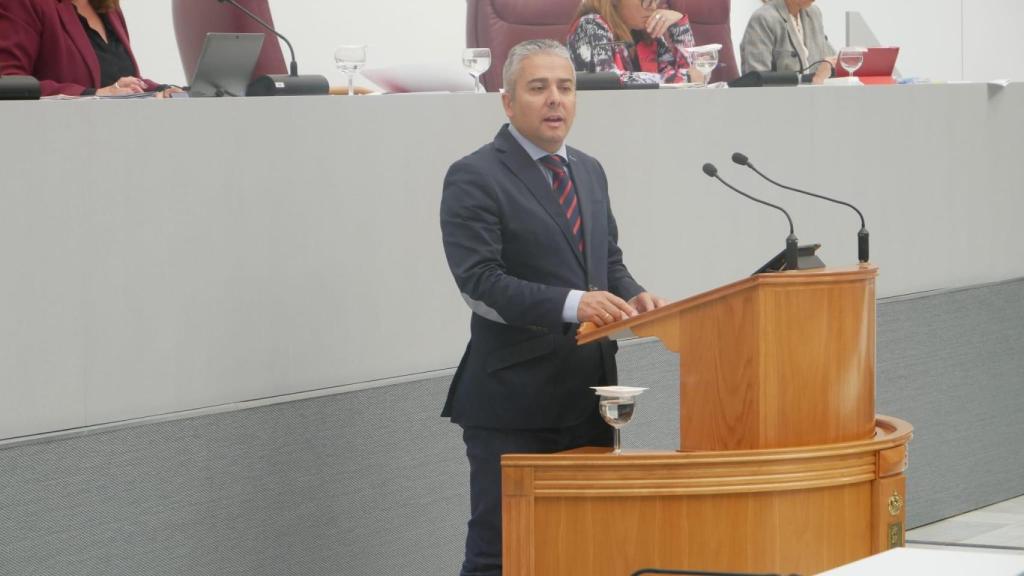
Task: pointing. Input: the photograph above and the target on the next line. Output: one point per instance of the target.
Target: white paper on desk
(421, 78)
(133, 96)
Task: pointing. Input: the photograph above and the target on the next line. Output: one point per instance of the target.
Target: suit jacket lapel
(73, 28)
(526, 170)
(794, 38)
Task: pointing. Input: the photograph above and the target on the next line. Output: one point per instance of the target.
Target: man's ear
(506, 101)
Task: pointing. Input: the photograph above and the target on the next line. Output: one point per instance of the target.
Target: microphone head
(710, 170)
(739, 158)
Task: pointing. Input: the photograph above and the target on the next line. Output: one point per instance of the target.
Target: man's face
(543, 104)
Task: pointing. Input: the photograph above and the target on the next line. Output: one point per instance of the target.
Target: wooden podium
(783, 465)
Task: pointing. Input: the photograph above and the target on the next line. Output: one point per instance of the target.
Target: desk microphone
(19, 88)
(863, 239)
(792, 253)
(280, 84)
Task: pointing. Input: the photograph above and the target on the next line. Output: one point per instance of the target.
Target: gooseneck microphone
(792, 252)
(863, 237)
(279, 84)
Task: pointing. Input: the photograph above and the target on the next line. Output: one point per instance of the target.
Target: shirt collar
(535, 152)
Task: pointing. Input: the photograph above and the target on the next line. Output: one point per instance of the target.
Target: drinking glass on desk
(703, 58)
(617, 405)
(851, 58)
(477, 61)
(349, 59)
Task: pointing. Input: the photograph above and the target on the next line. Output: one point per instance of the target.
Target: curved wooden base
(803, 510)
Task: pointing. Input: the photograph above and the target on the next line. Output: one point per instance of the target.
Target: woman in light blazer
(787, 36)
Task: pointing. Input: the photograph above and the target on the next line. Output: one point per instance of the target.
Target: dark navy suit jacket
(45, 39)
(511, 251)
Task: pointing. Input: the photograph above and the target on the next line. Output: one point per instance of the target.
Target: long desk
(164, 256)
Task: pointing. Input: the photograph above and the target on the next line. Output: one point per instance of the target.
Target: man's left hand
(645, 302)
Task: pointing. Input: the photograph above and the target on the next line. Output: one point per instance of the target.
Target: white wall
(940, 39)
(992, 36)
(209, 272)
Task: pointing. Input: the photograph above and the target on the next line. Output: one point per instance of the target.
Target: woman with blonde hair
(73, 47)
(653, 37)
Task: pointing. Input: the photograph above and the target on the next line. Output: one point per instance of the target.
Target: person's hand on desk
(166, 92)
(824, 72)
(130, 85)
(602, 308)
(645, 302)
(123, 87)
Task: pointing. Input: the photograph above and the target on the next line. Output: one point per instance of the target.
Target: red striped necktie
(564, 190)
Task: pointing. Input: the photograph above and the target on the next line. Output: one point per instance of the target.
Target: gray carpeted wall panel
(952, 364)
(373, 482)
(368, 482)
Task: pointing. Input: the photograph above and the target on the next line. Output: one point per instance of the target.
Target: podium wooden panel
(771, 361)
(783, 465)
(801, 510)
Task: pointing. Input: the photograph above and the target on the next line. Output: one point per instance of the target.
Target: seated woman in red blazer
(73, 47)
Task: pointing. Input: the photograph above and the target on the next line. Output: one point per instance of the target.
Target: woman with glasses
(639, 39)
(73, 47)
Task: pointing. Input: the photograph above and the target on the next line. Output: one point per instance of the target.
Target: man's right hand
(603, 308)
(123, 87)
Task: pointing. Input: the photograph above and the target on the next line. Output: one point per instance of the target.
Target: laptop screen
(226, 64)
(877, 62)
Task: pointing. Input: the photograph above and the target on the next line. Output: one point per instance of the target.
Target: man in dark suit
(532, 244)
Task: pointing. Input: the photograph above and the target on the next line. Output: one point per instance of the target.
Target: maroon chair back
(501, 24)
(710, 22)
(193, 19)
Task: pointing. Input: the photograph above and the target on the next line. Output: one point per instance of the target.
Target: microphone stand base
(285, 85)
(806, 260)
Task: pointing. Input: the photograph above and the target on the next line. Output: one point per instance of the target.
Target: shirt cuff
(570, 312)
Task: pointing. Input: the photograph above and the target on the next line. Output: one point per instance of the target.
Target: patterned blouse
(592, 31)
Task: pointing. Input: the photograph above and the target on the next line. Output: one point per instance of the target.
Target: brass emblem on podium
(895, 504)
(894, 536)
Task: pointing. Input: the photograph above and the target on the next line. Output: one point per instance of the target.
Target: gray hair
(524, 50)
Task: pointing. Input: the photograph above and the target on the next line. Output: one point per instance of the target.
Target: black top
(115, 62)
